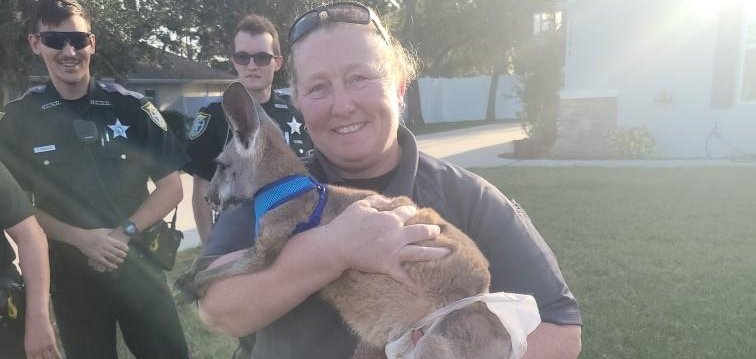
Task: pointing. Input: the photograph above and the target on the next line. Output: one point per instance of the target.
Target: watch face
(130, 229)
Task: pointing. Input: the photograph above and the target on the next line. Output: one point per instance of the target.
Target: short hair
(401, 64)
(54, 12)
(254, 24)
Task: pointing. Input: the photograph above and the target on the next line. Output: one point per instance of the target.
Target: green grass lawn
(661, 260)
(203, 344)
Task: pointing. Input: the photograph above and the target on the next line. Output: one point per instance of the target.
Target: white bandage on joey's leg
(518, 314)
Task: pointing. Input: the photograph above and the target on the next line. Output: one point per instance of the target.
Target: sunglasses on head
(260, 58)
(346, 12)
(57, 39)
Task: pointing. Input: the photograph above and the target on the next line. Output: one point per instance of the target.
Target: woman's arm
(552, 341)
(359, 238)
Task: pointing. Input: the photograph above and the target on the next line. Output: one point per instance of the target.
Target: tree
(14, 72)
(452, 38)
(473, 37)
(540, 62)
(121, 27)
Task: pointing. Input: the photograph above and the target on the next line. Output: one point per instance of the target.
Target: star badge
(119, 129)
(294, 125)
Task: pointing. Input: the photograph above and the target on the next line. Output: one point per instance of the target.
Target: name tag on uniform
(43, 149)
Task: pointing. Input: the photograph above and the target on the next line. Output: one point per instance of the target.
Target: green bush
(632, 142)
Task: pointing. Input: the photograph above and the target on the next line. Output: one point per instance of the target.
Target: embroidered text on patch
(155, 115)
(50, 105)
(99, 102)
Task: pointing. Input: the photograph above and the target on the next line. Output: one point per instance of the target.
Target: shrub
(632, 142)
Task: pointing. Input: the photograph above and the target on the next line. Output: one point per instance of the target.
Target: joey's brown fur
(378, 308)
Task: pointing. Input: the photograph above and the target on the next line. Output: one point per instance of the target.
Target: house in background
(466, 98)
(685, 70)
(181, 85)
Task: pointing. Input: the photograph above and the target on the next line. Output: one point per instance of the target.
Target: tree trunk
(413, 114)
(492, 90)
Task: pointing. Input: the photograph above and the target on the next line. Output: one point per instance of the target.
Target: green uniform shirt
(15, 208)
(87, 161)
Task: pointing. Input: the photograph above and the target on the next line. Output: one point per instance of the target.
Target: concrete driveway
(471, 147)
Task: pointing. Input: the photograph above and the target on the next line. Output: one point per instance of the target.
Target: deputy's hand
(39, 339)
(118, 234)
(105, 252)
(371, 241)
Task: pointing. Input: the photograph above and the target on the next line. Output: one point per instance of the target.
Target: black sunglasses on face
(260, 58)
(347, 12)
(57, 39)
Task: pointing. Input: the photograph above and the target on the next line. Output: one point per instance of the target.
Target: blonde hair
(397, 62)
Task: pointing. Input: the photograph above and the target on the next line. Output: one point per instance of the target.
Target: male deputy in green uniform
(85, 150)
(256, 55)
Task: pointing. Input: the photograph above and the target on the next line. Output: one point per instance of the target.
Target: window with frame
(748, 88)
(546, 22)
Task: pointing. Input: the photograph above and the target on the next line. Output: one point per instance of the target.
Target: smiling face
(257, 79)
(68, 67)
(348, 98)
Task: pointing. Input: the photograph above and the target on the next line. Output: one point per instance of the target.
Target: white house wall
(658, 57)
(172, 96)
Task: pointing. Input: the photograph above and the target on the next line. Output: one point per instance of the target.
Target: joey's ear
(242, 112)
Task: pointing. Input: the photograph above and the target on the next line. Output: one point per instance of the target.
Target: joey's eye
(221, 166)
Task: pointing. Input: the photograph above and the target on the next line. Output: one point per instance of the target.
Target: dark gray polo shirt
(521, 261)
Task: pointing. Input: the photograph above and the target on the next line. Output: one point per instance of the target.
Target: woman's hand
(368, 240)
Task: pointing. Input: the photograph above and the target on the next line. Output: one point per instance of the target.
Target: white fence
(466, 99)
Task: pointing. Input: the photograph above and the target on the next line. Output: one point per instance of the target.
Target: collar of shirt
(95, 94)
(401, 184)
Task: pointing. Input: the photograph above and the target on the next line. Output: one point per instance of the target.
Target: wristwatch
(130, 229)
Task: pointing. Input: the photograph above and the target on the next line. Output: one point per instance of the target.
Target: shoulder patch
(155, 115)
(114, 87)
(198, 126)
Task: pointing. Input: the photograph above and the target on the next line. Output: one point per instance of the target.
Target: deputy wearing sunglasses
(256, 56)
(86, 150)
(349, 76)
